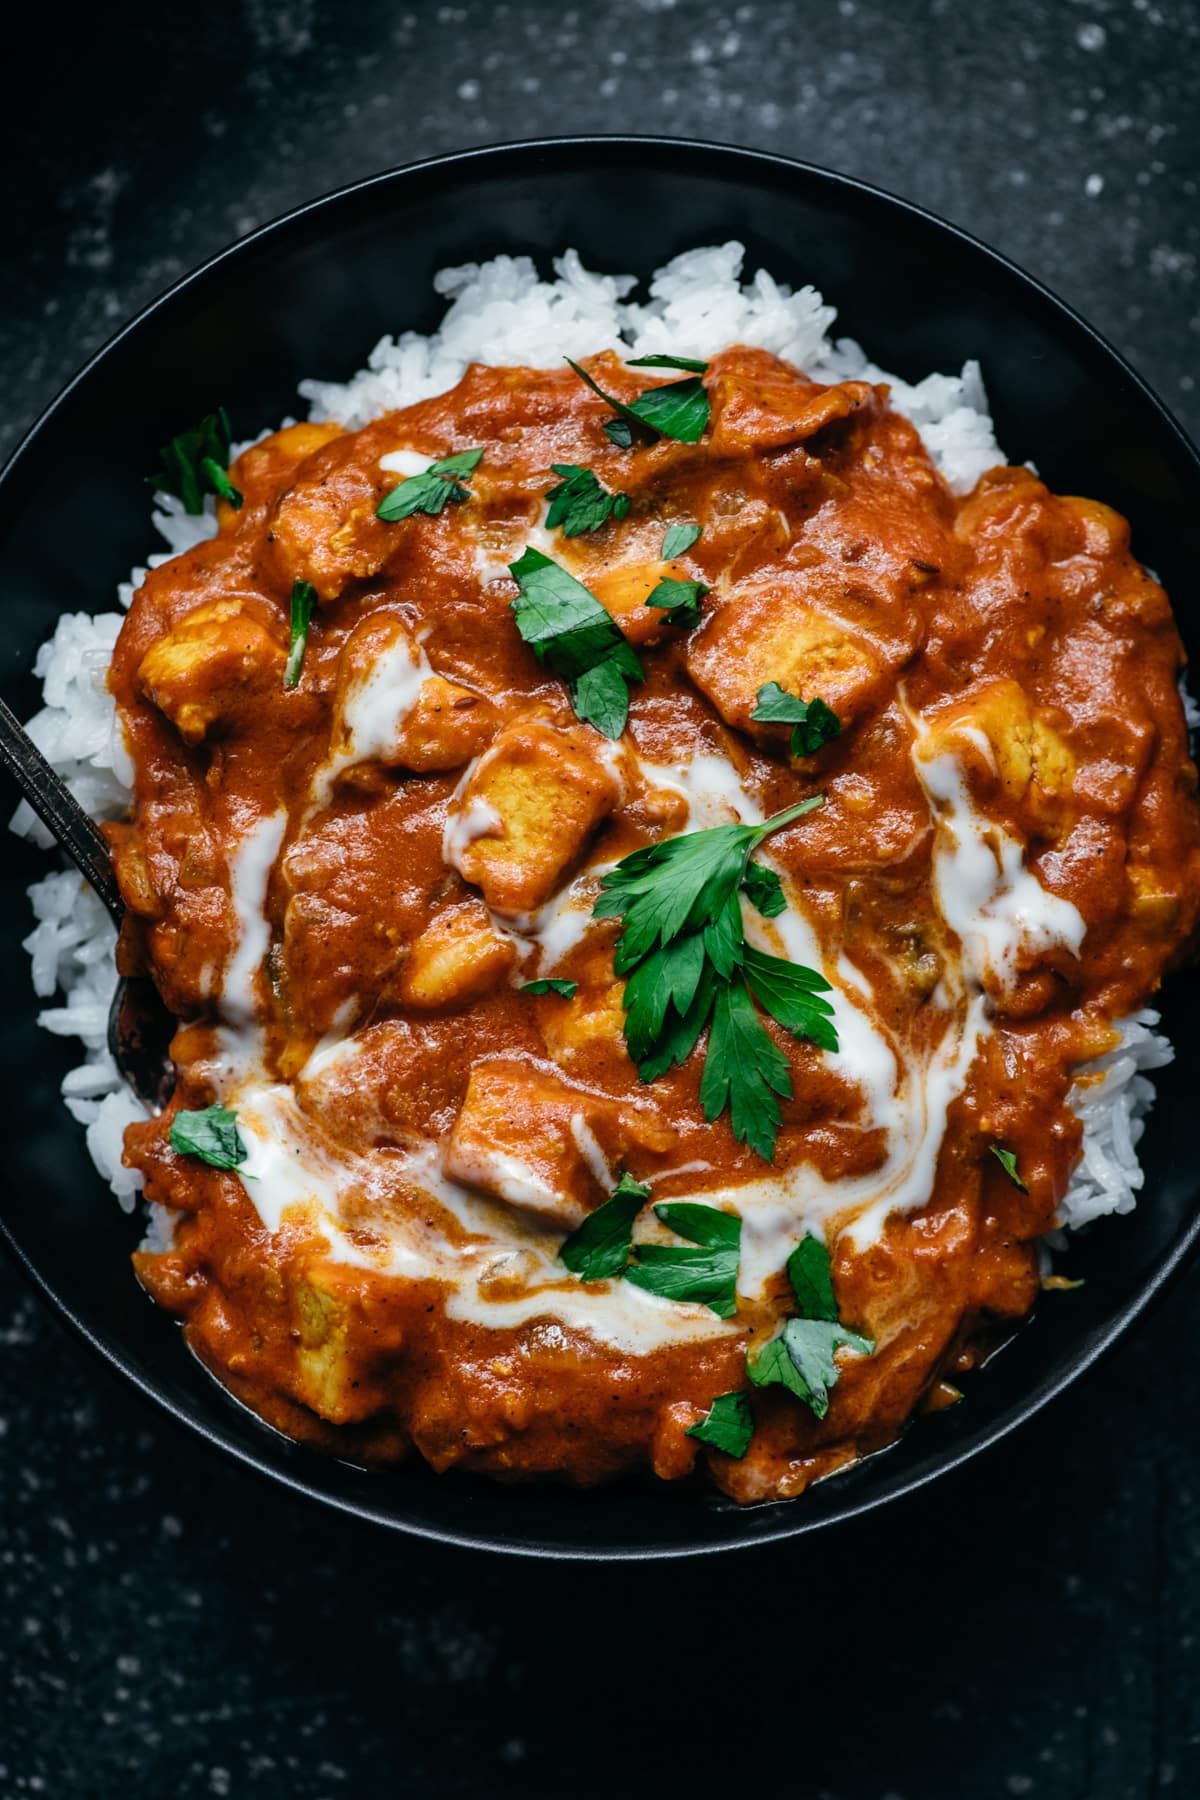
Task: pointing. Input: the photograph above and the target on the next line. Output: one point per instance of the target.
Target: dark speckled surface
(1031, 1627)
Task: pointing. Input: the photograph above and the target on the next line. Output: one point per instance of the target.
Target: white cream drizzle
(373, 711)
(997, 908)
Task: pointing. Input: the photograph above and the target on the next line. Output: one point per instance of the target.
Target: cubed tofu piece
(526, 813)
(1024, 754)
(1155, 899)
(761, 405)
(212, 668)
(260, 471)
(389, 706)
(623, 591)
(322, 1368)
(456, 959)
(771, 633)
(324, 529)
(541, 1145)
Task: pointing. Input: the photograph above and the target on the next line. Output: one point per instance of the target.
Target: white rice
(501, 312)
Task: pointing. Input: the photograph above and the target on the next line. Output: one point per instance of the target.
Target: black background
(168, 1626)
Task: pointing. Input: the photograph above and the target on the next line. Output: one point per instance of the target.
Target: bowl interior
(310, 296)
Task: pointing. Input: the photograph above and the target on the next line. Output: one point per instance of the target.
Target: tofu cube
(527, 812)
(212, 668)
(528, 1137)
(390, 708)
(456, 959)
(772, 634)
(1032, 764)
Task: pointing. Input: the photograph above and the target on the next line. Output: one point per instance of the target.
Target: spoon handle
(58, 810)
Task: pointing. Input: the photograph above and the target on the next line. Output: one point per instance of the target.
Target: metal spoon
(140, 1028)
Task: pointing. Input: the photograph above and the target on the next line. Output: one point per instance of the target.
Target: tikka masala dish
(536, 1111)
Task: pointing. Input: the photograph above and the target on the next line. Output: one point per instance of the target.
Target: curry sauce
(342, 889)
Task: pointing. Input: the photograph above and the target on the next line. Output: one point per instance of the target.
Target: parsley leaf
(578, 502)
(678, 539)
(792, 995)
(195, 463)
(813, 722)
(599, 1249)
(429, 492)
(744, 1070)
(692, 363)
(801, 1359)
(764, 891)
(550, 984)
(728, 1426)
(677, 409)
(682, 883)
(683, 951)
(567, 628)
(708, 1275)
(304, 598)
(1008, 1162)
(682, 598)
(808, 1271)
(618, 431)
(212, 1135)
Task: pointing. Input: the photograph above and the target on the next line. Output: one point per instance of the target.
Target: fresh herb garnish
(599, 1249)
(1008, 1162)
(195, 464)
(677, 409)
(550, 984)
(212, 1135)
(304, 598)
(567, 628)
(578, 502)
(707, 1275)
(681, 601)
(808, 1270)
(618, 431)
(678, 539)
(728, 1426)
(684, 954)
(801, 1359)
(813, 722)
(801, 1355)
(764, 890)
(429, 491)
(692, 363)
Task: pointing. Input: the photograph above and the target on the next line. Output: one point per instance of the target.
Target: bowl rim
(791, 1519)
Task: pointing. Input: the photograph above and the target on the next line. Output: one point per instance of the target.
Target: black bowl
(310, 295)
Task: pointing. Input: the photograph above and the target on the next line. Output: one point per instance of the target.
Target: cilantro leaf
(744, 1069)
(691, 363)
(195, 463)
(212, 1135)
(618, 431)
(813, 722)
(567, 628)
(707, 1275)
(304, 598)
(599, 1249)
(550, 984)
(763, 890)
(678, 539)
(792, 994)
(800, 1357)
(677, 409)
(808, 1271)
(682, 598)
(578, 502)
(728, 1425)
(1008, 1162)
(430, 491)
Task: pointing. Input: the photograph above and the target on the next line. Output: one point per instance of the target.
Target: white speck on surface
(1093, 185)
(1091, 36)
